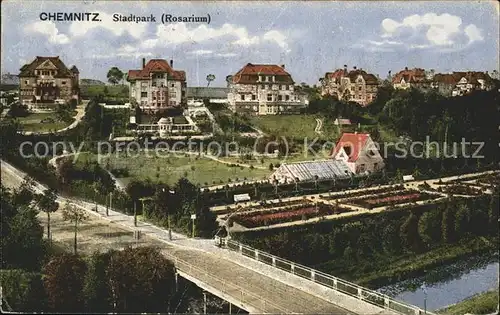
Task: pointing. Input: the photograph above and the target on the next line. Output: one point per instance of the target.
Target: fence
(324, 279)
(246, 298)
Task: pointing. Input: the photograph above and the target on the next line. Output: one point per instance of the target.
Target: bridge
(250, 279)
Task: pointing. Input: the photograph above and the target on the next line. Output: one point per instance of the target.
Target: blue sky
(310, 38)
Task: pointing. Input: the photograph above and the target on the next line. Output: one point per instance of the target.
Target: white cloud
(443, 32)
(136, 30)
(48, 29)
(174, 34)
(473, 33)
(200, 52)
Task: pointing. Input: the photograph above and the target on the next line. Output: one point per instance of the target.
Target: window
(144, 94)
(63, 82)
(269, 97)
(347, 150)
(267, 79)
(280, 97)
(287, 97)
(153, 83)
(254, 97)
(27, 81)
(242, 96)
(172, 85)
(283, 87)
(359, 88)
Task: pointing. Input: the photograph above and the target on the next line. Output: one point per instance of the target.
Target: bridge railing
(239, 293)
(337, 284)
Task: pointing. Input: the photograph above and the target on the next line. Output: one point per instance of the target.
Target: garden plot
(302, 212)
(392, 198)
(462, 189)
(362, 193)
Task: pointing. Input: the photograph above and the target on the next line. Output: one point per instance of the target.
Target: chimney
(143, 63)
(171, 63)
(390, 72)
(283, 66)
(345, 67)
(354, 67)
(406, 68)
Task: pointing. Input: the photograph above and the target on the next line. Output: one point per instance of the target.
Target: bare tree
(75, 215)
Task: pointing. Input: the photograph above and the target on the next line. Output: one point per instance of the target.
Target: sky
(309, 38)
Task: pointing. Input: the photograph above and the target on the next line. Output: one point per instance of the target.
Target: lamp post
(193, 217)
(168, 216)
(424, 289)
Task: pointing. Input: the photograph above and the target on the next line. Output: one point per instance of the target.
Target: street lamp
(193, 217)
(424, 289)
(168, 216)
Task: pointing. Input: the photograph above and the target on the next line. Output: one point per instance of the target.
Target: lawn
(296, 126)
(170, 168)
(117, 92)
(32, 122)
(258, 161)
(484, 303)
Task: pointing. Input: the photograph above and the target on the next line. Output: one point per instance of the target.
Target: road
(221, 268)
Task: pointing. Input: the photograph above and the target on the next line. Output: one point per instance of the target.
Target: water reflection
(444, 293)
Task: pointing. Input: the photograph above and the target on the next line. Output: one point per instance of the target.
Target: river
(448, 285)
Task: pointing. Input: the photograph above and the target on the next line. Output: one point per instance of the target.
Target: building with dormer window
(351, 86)
(46, 82)
(259, 89)
(157, 86)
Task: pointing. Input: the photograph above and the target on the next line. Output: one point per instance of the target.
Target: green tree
(97, 291)
(115, 75)
(447, 223)
(63, 281)
(48, 204)
(142, 280)
(210, 78)
(409, 233)
(493, 209)
(75, 215)
(23, 291)
(429, 227)
(462, 220)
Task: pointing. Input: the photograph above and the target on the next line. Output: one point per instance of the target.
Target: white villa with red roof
(359, 152)
(157, 85)
(264, 89)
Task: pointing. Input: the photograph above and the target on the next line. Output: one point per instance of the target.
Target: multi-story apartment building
(46, 81)
(412, 78)
(260, 89)
(352, 86)
(157, 86)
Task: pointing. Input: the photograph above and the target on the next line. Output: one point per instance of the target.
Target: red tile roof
(156, 65)
(415, 75)
(250, 73)
(353, 74)
(356, 141)
(472, 76)
(445, 78)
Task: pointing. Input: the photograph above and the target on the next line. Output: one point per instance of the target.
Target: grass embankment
(483, 303)
(381, 272)
(33, 122)
(171, 167)
(297, 126)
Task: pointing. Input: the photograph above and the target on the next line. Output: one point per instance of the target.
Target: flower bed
(365, 192)
(392, 198)
(300, 212)
(460, 190)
